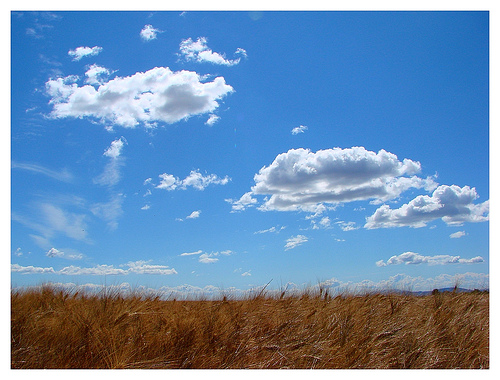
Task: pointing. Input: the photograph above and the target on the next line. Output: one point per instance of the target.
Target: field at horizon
(52, 328)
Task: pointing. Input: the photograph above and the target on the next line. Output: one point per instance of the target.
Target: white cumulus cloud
(303, 180)
(415, 258)
(157, 95)
(149, 33)
(453, 204)
(84, 51)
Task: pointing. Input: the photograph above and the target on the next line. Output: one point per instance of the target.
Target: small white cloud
(54, 253)
(115, 148)
(18, 252)
(295, 241)
(145, 207)
(149, 33)
(212, 120)
(194, 179)
(299, 129)
(84, 51)
(66, 254)
(143, 267)
(246, 274)
(194, 215)
(198, 51)
(207, 258)
(241, 204)
(457, 234)
(147, 180)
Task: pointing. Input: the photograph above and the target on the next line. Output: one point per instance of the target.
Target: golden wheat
(63, 329)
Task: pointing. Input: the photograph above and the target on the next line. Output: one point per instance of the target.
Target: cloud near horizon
(136, 267)
(415, 259)
(157, 95)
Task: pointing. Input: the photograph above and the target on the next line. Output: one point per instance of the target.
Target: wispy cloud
(295, 241)
(199, 252)
(274, 229)
(50, 221)
(110, 211)
(208, 258)
(111, 174)
(458, 234)
(415, 259)
(63, 175)
(347, 226)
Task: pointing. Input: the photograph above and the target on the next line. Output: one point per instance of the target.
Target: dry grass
(57, 329)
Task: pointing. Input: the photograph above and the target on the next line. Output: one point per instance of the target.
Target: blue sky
(217, 150)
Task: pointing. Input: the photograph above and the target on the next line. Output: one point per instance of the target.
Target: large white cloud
(416, 258)
(157, 95)
(303, 180)
(453, 204)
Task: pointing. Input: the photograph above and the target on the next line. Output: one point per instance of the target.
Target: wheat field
(52, 328)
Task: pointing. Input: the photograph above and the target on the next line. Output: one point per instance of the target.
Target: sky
(212, 151)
